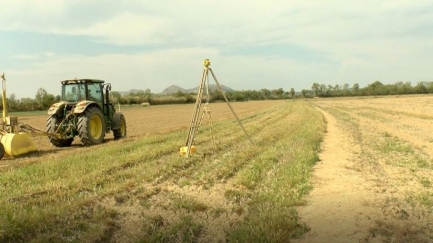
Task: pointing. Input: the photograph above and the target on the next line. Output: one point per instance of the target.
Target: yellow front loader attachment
(14, 142)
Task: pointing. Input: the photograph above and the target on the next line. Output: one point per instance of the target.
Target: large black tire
(121, 132)
(2, 151)
(91, 126)
(51, 127)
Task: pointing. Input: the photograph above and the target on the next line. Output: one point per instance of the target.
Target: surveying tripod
(197, 119)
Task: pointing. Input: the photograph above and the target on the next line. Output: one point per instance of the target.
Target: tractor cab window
(73, 92)
(94, 92)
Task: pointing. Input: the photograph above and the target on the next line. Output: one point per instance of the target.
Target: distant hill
(212, 87)
(173, 89)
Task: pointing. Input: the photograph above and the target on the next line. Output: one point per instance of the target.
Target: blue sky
(141, 44)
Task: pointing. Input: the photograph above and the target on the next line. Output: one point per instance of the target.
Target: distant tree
(430, 87)
(316, 88)
(12, 102)
(345, 91)
(420, 88)
(216, 95)
(292, 92)
(375, 88)
(407, 88)
(48, 101)
(179, 94)
(305, 93)
(336, 90)
(329, 91)
(235, 96)
(253, 95)
(147, 95)
(43, 99)
(355, 89)
(266, 93)
(391, 89)
(40, 94)
(115, 97)
(323, 90)
(277, 93)
(28, 104)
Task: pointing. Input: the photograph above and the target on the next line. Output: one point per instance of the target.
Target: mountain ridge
(172, 89)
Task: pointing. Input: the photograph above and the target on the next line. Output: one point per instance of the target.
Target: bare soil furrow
(385, 143)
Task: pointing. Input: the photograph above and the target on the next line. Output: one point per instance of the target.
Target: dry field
(321, 170)
(374, 182)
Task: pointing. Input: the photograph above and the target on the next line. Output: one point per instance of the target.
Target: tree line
(375, 88)
(43, 100)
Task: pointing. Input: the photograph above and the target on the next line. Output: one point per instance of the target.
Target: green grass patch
(184, 230)
(424, 198)
(426, 182)
(281, 179)
(394, 145)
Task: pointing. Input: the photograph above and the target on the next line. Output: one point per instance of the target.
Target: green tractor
(84, 111)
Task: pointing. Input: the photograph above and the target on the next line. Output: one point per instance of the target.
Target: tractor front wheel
(52, 127)
(91, 126)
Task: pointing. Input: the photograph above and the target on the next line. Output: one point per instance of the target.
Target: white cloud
(221, 22)
(125, 29)
(360, 41)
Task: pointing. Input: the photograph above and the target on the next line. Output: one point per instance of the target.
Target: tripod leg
(196, 113)
(231, 108)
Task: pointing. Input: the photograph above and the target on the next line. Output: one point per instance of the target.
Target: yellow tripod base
(184, 150)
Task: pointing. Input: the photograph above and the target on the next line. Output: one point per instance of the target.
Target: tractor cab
(83, 89)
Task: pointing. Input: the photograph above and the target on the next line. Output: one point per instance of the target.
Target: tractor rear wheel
(91, 126)
(121, 132)
(52, 123)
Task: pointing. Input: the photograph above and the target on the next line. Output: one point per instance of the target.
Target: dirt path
(337, 209)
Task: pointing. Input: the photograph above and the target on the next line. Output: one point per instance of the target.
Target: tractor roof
(82, 80)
